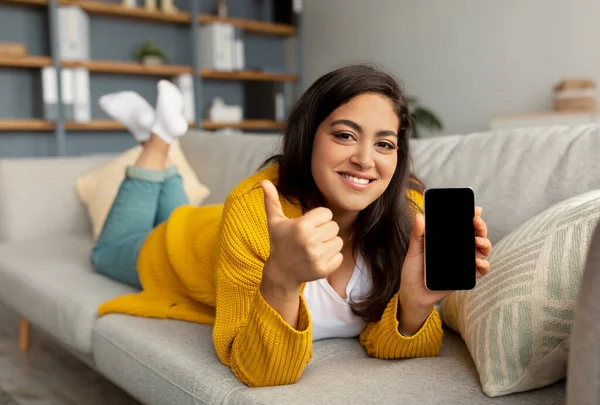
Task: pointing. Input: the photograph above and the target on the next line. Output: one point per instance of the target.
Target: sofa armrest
(583, 376)
(38, 196)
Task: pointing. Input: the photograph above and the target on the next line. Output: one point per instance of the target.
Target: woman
(334, 250)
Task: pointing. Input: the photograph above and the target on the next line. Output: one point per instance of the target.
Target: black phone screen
(449, 239)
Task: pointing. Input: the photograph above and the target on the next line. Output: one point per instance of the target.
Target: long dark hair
(381, 231)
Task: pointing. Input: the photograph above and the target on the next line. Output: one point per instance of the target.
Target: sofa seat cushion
(174, 362)
(51, 282)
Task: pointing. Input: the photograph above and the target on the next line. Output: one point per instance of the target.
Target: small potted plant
(422, 117)
(150, 54)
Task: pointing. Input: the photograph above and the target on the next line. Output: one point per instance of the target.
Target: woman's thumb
(417, 235)
(272, 203)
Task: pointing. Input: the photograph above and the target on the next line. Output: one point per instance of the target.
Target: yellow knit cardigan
(204, 264)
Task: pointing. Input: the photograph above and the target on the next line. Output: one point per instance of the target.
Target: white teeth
(356, 179)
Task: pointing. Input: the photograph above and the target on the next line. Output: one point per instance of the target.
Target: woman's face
(355, 152)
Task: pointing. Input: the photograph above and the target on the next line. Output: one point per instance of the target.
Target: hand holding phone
(420, 291)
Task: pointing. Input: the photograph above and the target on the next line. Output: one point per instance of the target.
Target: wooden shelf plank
(117, 10)
(258, 27)
(248, 75)
(33, 124)
(129, 68)
(98, 125)
(26, 2)
(94, 125)
(25, 124)
(246, 124)
(25, 61)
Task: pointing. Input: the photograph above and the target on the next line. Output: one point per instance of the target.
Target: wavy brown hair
(381, 231)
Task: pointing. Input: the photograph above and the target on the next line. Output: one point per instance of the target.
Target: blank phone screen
(449, 239)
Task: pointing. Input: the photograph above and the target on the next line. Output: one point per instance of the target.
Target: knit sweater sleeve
(382, 339)
(249, 335)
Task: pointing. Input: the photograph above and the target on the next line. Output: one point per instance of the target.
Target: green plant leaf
(425, 118)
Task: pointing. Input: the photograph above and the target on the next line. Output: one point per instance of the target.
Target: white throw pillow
(517, 321)
(99, 188)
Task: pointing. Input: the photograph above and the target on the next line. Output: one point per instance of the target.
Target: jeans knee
(95, 257)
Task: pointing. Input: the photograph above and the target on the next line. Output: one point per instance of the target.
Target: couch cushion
(515, 174)
(222, 161)
(174, 362)
(99, 188)
(51, 282)
(517, 321)
(38, 196)
(583, 384)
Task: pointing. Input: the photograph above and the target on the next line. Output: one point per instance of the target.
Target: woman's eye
(386, 145)
(344, 136)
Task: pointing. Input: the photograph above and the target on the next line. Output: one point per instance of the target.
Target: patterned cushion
(517, 321)
(98, 189)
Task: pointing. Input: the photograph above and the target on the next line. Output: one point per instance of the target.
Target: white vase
(152, 60)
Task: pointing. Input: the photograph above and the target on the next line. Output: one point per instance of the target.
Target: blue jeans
(145, 199)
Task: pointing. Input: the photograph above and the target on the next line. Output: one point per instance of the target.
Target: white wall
(465, 59)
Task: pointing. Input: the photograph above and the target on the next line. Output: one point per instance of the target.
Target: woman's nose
(363, 157)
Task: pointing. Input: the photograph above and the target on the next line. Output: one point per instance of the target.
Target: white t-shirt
(331, 315)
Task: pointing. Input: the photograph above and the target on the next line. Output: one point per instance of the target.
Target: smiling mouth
(356, 180)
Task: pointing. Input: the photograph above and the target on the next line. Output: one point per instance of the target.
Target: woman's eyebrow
(348, 123)
(358, 128)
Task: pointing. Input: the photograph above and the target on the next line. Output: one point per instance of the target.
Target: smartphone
(449, 238)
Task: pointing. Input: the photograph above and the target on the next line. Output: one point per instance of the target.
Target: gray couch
(45, 275)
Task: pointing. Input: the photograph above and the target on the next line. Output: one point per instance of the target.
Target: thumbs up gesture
(302, 249)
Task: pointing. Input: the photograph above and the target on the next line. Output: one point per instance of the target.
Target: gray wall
(466, 59)
(113, 39)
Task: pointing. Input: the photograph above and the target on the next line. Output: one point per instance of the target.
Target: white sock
(131, 110)
(170, 121)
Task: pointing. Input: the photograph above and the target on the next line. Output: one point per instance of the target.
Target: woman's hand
(302, 249)
(416, 301)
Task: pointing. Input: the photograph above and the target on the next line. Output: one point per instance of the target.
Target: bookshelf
(193, 19)
(140, 13)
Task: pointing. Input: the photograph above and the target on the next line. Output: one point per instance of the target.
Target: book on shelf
(185, 83)
(221, 47)
(73, 34)
(75, 94)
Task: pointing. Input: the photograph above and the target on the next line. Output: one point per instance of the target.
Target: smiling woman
(346, 148)
(325, 241)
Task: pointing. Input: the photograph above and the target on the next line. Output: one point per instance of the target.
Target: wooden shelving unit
(26, 124)
(99, 7)
(133, 68)
(25, 61)
(117, 10)
(248, 75)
